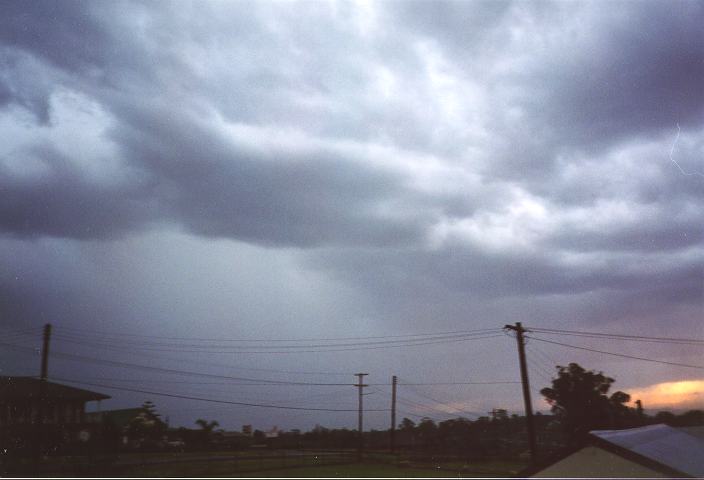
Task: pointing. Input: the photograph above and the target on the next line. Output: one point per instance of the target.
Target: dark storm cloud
(580, 76)
(442, 161)
(638, 70)
(302, 196)
(67, 35)
(63, 203)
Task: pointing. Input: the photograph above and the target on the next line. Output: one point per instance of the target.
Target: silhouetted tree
(407, 424)
(690, 418)
(579, 398)
(146, 429)
(206, 430)
(427, 431)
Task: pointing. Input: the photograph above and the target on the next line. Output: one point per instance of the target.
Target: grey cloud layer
(529, 142)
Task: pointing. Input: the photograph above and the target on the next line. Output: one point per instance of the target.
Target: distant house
(118, 418)
(62, 417)
(19, 402)
(654, 451)
(138, 427)
(116, 421)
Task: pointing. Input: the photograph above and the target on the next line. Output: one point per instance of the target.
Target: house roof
(19, 388)
(665, 445)
(671, 451)
(696, 431)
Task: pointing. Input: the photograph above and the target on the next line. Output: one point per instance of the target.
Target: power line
(70, 356)
(415, 391)
(254, 381)
(482, 330)
(618, 354)
(203, 399)
(615, 336)
(537, 365)
(222, 365)
(316, 348)
(412, 403)
(548, 358)
(188, 382)
(539, 370)
(501, 382)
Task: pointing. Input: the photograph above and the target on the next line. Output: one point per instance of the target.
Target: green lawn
(358, 470)
(225, 469)
(245, 464)
(232, 469)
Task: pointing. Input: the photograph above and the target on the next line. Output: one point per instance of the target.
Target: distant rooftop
(18, 388)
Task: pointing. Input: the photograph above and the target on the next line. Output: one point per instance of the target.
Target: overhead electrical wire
(534, 348)
(309, 348)
(413, 404)
(500, 382)
(415, 391)
(115, 363)
(82, 332)
(254, 381)
(204, 399)
(539, 370)
(615, 336)
(223, 365)
(623, 355)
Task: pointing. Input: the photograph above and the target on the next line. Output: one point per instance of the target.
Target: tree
(147, 428)
(407, 424)
(206, 430)
(579, 398)
(427, 431)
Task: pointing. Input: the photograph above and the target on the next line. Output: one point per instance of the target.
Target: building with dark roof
(53, 413)
(20, 401)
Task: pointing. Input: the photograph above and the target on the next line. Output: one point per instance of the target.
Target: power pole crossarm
(518, 328)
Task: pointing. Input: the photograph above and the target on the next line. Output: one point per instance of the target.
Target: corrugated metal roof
(665, 445)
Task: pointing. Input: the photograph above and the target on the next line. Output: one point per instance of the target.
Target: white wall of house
(594, 462)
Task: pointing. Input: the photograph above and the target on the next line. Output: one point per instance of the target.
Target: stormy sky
(300, 171)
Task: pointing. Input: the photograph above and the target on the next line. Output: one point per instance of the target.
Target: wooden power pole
(518, 328)
(44, 373)
(360, 424)
(394, 382)
(42, 401)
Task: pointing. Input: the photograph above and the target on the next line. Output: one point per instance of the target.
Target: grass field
(222, 469)
(359, 471)
(239, 469)
(321, 464)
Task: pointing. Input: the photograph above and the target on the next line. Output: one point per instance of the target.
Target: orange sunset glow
(685, 394)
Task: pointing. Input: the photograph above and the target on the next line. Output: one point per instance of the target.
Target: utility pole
(360, 425)
(518, 328)
(394, 382)
(45, 353)
(42, 400)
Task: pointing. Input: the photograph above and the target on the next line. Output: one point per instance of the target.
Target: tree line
(580, 400)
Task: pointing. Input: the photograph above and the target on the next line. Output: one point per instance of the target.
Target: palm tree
(206, 430)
